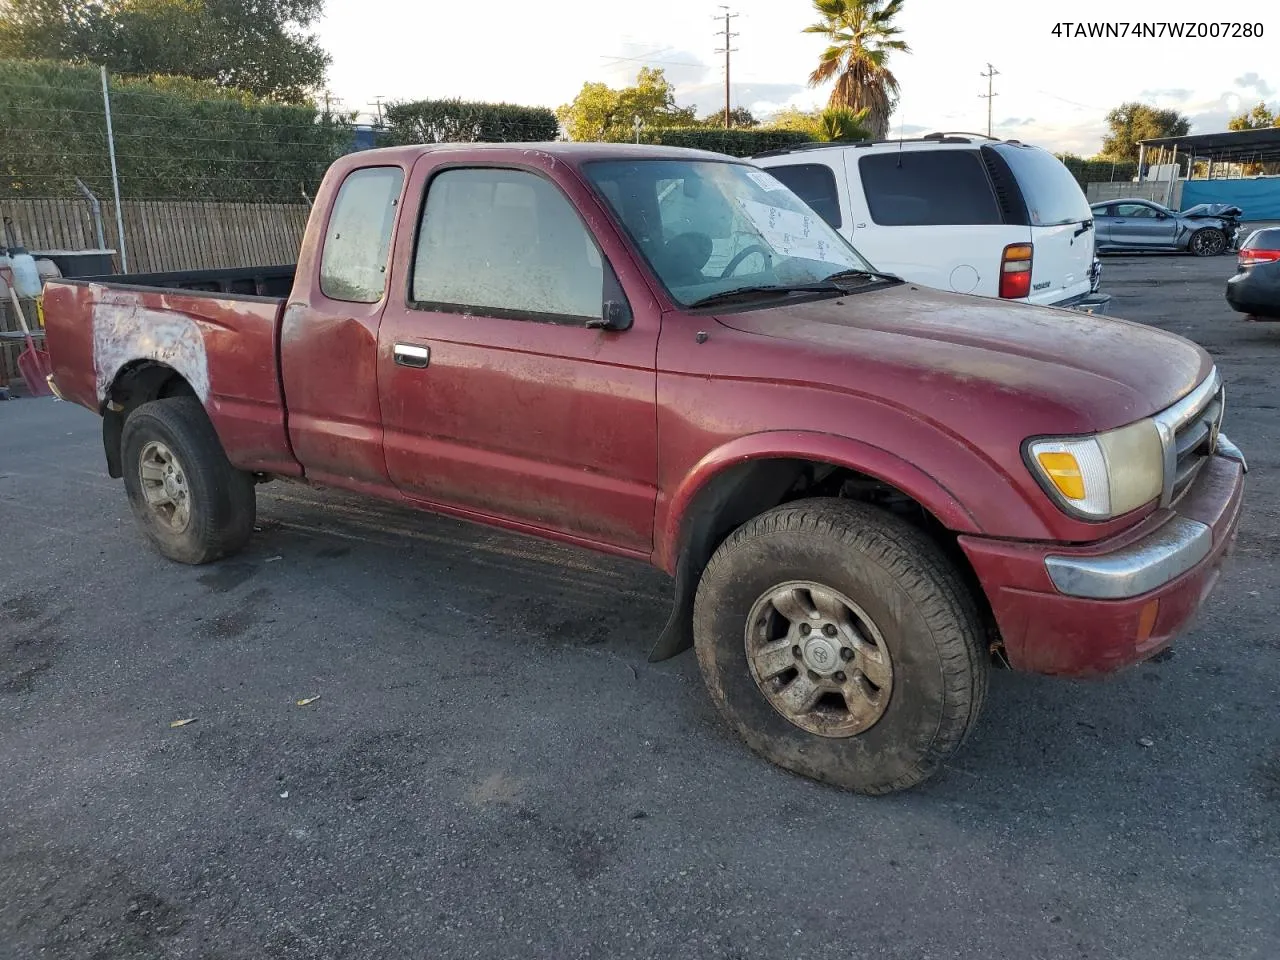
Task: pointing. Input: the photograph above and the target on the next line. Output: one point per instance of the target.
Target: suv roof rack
(958, 134)
(937, 137)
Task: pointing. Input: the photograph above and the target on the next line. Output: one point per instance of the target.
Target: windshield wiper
(842, 275)
(740, 293)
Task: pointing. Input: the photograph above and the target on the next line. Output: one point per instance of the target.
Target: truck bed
(224, 345)
(273, 281)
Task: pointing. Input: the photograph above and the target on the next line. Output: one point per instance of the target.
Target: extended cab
(866, 491)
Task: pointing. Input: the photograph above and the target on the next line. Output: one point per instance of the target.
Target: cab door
(501, 396)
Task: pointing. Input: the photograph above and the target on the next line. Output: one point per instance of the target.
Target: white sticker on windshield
(794, 234)
(766, 181)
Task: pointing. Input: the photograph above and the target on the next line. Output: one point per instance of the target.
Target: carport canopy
(1237, 146)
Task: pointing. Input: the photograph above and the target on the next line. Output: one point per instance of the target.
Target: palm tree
(862, 35)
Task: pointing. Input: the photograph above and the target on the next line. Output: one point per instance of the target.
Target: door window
(815, 184)
(916, 188)
(353, 266)
(1135, 211)
(505, 243)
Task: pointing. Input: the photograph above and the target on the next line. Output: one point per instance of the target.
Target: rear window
(815, 184)
(1263, 240)
(916, 188)
(1051, 193)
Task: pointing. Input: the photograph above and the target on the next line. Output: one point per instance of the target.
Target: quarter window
(353, 266)
(916, 188)
(507, 242)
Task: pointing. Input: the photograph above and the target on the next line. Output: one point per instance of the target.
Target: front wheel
(841, 644)
(192, 504)
(1207, 242)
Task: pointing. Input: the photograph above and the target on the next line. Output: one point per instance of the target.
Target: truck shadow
(1145, 748)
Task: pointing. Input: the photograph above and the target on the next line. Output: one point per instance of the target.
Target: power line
(990, 95)
(726, 51)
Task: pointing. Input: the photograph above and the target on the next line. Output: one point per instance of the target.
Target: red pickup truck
(867, 493)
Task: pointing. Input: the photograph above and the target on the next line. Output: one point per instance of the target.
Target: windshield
(709, 228)
(1050, 191)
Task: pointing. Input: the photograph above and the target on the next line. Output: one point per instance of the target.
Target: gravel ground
(493, 770)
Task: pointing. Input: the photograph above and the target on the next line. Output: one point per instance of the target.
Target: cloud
(760, 98)
(1178, 94)
(1251, 81)
(1018, 122)
(681, 67)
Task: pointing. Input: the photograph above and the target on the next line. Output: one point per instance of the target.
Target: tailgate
(1060, 262)
(1060, 219)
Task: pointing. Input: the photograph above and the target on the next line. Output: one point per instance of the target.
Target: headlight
(1104, 475)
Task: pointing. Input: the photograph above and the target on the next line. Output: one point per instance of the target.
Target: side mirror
(1162, 216)
(615, 315)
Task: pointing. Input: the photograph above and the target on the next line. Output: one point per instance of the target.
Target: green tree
(793, 118)
(861, 35)
(740, 118)
(262, 46)
(599, 112)
(1259, 118)
(1131, 122)
(841, 123)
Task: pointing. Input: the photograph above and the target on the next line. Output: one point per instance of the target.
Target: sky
(1052, 91)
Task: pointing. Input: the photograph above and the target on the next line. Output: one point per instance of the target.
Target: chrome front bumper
(1176, 547)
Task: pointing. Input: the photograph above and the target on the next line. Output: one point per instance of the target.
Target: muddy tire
(188, 498)
(1207, 242)
(821, 579)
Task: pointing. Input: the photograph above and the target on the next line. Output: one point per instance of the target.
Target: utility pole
(727, 16)
(990, 94)
(377, 102)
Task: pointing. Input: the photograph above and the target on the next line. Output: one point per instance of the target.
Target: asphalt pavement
(488, 767)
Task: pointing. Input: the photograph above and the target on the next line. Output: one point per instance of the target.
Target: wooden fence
(159, 236)
(163, 235)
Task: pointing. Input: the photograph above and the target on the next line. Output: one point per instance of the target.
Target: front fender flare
(686, 544)
(876, 462)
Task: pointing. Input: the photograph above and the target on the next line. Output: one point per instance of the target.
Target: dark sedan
(1135, 225)
(1255, 289)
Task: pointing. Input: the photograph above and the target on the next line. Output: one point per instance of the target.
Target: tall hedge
(176, 138)
(454, 121)
(735, 143)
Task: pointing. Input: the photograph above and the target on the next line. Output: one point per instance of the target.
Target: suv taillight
(1015, 271)
(1248, 258)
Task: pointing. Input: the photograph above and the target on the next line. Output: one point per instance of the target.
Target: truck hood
(1079, 371)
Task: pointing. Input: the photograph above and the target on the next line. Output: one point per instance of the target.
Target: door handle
(412, 355)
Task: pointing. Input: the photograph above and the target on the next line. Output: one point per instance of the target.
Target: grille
(1195, 439)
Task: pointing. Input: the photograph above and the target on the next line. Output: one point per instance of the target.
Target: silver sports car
(1144, 225)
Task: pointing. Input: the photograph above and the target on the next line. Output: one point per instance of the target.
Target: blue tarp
(1258, 197)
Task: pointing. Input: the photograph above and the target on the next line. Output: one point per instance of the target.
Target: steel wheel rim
(818, 659)
(164, 486)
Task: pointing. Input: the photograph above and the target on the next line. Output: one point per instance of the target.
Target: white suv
(959, 212)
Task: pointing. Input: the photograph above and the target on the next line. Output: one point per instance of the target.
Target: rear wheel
(190, 501)
(841, 644)
(1207, 242)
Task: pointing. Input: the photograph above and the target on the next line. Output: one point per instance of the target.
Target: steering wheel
(742, 255)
